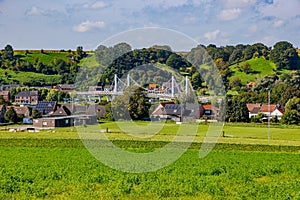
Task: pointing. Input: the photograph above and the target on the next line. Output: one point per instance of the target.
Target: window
(45, 123)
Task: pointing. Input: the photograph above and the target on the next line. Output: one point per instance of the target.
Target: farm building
(65, 121)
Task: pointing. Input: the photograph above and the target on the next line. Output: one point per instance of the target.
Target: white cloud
(34, 11)
(230, 14)
(281, 9)
(88, 25)
(95, 5)
(238, 3)
(211, 36)
(278, 23)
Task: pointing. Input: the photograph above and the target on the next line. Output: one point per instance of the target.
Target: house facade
(27, 97)
(65, 121)
(271, 110)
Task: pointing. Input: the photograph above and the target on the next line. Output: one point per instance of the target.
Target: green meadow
(54, 164)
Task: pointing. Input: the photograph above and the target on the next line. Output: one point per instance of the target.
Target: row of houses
(31, 97)
(175, 112)
(188, 112)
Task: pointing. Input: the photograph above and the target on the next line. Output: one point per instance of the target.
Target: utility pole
(172, 89)
(269, 111)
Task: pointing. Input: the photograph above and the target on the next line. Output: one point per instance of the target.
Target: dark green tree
(11, 115)
(80, 52)
(35, 114)
(236, 110)
(138, 104)
(8, 53)
(292, 112)
(285, 56)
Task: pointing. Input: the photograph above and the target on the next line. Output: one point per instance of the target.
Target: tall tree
(292, 112)
(8, 52)
(285, 56)
(11, 115)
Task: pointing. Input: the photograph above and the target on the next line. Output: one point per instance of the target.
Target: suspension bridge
(169, 90)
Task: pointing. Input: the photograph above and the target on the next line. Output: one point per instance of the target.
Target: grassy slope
(47, 58)
(28, 77)
(260, 67)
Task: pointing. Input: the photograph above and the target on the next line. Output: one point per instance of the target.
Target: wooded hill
(238, 64)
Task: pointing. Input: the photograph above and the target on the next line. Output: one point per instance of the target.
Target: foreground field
(55, 165)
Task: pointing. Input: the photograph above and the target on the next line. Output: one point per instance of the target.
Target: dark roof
(172, 109)
(45, 107)
(62, 111)
(75, 108)
(27, 93)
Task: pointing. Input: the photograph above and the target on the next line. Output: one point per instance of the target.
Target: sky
(66, 24)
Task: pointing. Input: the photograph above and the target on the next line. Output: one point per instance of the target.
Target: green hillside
(28, 78)
(260, 67)
(47, 57)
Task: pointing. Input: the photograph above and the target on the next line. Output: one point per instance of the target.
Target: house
(2, 113)
(27, 97)
(22, 110)
(65, 87)
(208, 111)
(173, 112)
(46, 107)
(62, 111)
(158, 112)
(8, 87)
(271, 110)
(253, 109)
(169, 110)
(5, 94)
(65, 121)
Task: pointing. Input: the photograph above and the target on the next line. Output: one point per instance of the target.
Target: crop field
(55, 165)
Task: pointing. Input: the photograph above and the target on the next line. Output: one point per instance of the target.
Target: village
(42, 114)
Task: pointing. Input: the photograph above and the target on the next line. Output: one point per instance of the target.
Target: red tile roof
(265, 108)
(252, 106)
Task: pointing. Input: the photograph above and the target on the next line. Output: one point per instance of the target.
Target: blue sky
(65, 24)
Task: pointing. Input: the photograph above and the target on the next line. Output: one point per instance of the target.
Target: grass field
(260, 68)
(55, 164)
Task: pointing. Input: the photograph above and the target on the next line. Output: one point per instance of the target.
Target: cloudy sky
(57, 24)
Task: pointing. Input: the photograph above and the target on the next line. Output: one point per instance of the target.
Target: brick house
(27, 97)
